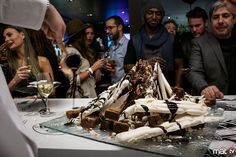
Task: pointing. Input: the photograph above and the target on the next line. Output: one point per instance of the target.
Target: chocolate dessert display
(142, 105)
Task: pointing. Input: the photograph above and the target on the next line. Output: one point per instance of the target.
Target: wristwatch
(90, 70)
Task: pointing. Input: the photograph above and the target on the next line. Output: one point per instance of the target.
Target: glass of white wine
(45, 88)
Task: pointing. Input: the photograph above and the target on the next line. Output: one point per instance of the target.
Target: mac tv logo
(228, 152)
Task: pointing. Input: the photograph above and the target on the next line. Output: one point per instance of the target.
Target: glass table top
(193, 143)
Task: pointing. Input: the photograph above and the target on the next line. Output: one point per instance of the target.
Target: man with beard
(154, 43)
(197, 22)
(115, 61)
(213, 58)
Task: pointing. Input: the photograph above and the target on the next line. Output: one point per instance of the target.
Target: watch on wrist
(90, 71)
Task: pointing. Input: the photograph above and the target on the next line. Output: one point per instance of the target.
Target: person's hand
(53, 25)
(158, 59)
(98, 64)
(110, 67)
(22, 73)
(212, 92)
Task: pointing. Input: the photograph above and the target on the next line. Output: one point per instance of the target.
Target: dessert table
(62, 144)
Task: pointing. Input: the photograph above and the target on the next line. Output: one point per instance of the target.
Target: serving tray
(192, 143)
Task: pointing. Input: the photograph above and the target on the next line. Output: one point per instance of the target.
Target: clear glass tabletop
(193, 143)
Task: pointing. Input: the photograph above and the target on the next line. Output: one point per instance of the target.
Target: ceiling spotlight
(90, 14)
(69, 0)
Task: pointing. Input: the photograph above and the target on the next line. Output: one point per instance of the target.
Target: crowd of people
(101, 66)
(201, 61)
(157, 41)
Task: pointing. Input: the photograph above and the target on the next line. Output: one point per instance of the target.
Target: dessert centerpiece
(142, 105)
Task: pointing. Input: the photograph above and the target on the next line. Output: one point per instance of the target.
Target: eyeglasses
(109, 28)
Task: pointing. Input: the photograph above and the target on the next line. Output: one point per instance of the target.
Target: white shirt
(23, 13)
(14, 138)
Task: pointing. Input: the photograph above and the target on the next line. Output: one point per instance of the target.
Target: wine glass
(45, 88)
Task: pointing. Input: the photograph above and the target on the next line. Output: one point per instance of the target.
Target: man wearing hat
(153, 42)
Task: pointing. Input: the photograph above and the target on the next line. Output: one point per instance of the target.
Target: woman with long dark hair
(23, 63)
(77, 45)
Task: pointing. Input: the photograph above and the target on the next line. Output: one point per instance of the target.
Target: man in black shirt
(153, 43)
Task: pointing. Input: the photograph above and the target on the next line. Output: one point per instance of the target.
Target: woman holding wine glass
(23, 63)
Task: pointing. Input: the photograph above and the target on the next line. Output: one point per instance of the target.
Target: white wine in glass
(45, 88)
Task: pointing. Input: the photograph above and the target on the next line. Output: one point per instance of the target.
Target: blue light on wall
(120, 8)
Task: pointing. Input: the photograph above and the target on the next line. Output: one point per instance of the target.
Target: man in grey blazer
(213, 58)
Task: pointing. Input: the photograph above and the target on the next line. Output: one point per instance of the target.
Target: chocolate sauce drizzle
(180, 127)
(173, 109)
(146, 109)
(162, 128)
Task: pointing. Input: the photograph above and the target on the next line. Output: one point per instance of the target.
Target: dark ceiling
(89, 10)
(97, 10)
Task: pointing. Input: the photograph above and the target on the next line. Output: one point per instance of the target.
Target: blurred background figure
(23, 63)
(171, 26)
(77, 44)
(94, 42)
(44, 47)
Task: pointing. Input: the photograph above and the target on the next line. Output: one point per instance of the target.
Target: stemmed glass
(45, 88)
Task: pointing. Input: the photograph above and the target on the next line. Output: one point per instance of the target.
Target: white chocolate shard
(160, 106)
(167, 85)
(106, 98)
(148, 132)
(117, 91)
(161, 83)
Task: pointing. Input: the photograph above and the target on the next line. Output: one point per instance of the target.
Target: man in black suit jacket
(213, 56)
